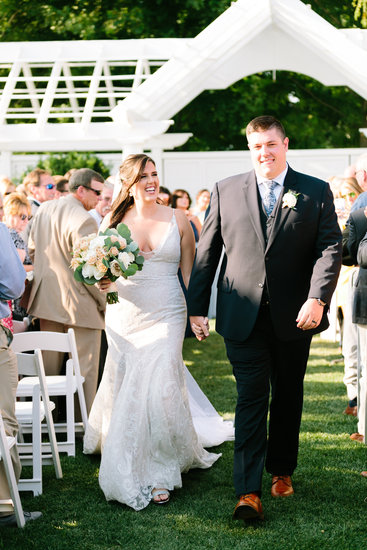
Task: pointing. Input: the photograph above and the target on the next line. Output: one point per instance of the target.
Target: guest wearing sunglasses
(17, 213)
(40, 187)
(57, 299)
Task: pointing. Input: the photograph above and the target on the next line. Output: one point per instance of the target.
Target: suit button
(261, 285)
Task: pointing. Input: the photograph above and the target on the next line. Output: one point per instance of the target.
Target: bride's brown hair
(131, 171)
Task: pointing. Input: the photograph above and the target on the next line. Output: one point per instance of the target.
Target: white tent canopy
(122, 94)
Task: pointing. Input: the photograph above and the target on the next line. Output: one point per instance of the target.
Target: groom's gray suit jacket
(300, 259)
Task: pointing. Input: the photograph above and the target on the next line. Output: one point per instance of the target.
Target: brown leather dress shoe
(357, 437)
(351, 410)
(281, 486)
(248, 507)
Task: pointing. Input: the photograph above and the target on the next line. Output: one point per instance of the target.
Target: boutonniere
(290, 199)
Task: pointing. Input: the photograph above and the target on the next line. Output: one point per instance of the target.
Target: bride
(142, 416)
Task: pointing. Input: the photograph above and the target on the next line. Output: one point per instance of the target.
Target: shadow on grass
(328, 511)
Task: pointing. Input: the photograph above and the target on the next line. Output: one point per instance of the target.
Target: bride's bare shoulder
(165, 212)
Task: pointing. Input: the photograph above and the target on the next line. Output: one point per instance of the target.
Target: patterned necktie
(269, 199)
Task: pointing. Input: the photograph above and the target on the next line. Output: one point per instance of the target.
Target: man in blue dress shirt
(12, 277)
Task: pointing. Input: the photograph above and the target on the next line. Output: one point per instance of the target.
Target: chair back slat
(26, 364)
(43, 340)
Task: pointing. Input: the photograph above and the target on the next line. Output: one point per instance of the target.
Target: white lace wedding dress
(141, 419)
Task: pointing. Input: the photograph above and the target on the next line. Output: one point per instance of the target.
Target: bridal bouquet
(111, 253)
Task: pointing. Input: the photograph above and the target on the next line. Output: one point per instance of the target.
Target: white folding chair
(30, 415)
(59, 385)
(6, 443)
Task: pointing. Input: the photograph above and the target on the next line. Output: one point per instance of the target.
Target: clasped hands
(200, 326)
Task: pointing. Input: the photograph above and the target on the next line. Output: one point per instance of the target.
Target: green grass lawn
(328, 510)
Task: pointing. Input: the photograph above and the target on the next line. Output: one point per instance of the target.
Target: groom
(282, 256)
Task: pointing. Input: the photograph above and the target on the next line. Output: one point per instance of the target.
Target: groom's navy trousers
(261, 358)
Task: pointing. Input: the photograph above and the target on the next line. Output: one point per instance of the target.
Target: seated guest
(17, 212)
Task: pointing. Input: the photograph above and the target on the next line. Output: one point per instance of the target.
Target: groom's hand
(309, 315)
(199, 326)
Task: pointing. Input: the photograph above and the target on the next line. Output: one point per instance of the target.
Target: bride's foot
(160, 496)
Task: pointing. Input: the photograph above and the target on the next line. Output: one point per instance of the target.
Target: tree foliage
(361, 11)
(61, 163)
(314, 115)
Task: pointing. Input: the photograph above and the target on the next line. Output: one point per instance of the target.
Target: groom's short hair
(263, 123)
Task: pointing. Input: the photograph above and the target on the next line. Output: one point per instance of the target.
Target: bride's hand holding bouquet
(105, 257)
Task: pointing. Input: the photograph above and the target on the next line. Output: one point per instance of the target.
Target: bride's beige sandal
(157, 492)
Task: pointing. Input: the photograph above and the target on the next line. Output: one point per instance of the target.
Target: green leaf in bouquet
(78, 274)
(133, 246)
(139, 260)
(123, 231)
(131, 270)
(108, 243)
(123, 268)
(90, 280)
(110, 231)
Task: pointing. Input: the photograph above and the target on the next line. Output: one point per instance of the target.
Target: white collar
(279, 179)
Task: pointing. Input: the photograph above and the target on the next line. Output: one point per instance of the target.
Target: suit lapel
(251, 197)
(281, 214)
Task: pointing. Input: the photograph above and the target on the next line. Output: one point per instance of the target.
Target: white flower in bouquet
(116, 269)
(110, 254)
(126, 258)
(122, 242)
(97, 242)
(89, 271)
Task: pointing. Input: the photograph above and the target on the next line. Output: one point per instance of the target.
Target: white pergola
(122, 94)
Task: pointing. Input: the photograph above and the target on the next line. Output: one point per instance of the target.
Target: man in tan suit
(56, 298)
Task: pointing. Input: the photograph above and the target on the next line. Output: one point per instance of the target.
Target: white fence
(195, 170)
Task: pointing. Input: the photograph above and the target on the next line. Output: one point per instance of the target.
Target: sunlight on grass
(66, 524)
(328, 511)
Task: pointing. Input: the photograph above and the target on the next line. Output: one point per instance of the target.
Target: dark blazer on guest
(300, 259)
(355, 230)
(357, 223)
